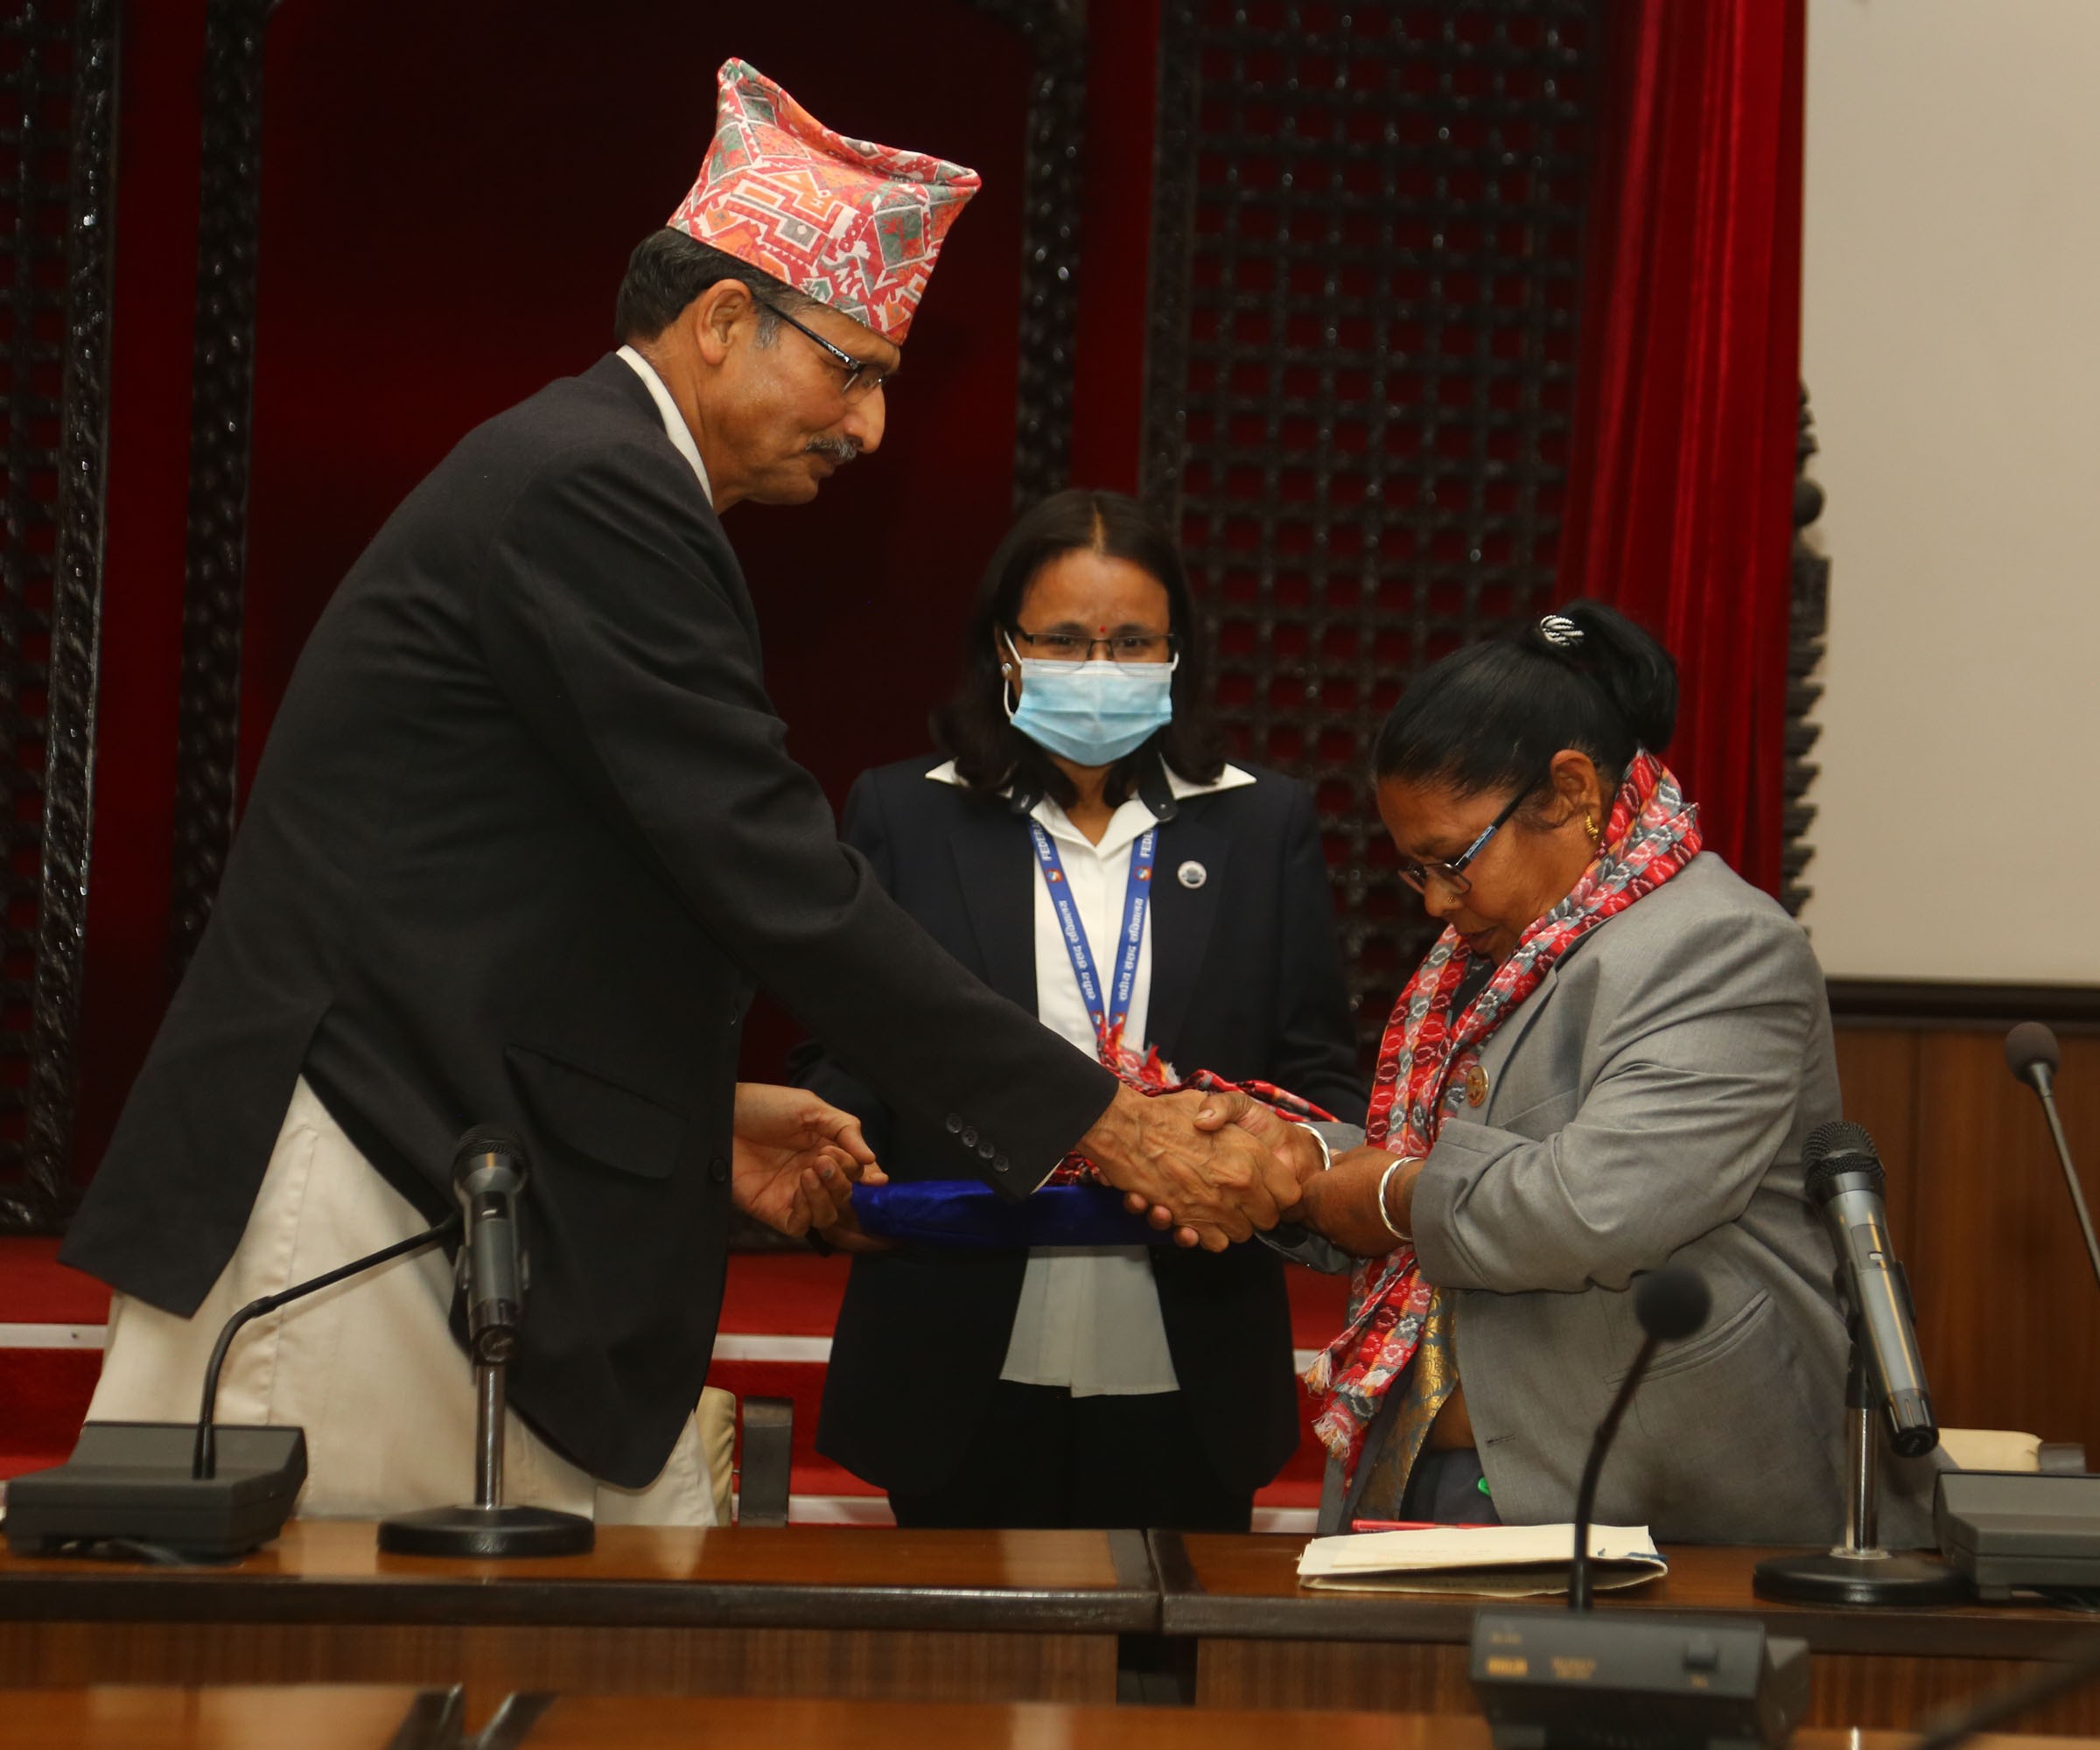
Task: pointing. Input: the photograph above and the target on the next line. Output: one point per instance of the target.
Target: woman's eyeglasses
(1453, 873)
(1074, 646)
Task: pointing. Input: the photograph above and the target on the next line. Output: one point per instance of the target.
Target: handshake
(1213, 1167)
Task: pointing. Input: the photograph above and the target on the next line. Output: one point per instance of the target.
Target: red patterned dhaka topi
(1652, 834)
(849, 223)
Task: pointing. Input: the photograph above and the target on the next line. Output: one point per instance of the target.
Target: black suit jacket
(1246, 981)
(524, 839)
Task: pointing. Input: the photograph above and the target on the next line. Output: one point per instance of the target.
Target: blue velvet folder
(960, 1213)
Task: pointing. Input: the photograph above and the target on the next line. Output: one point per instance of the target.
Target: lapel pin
(1476, 1084)
(1192, 875)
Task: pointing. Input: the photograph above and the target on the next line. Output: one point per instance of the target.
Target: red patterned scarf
(1423, 1062)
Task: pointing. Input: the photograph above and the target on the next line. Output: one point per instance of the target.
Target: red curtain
(1681, 467)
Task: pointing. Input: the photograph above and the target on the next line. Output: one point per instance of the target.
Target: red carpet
(35, 1289)
(777, 1314)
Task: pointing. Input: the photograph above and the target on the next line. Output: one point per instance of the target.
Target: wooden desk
(801, 1610)
(921, 1616)
(1263, 1641)
(604, 1723)
(317, 1717)
(337, 1719)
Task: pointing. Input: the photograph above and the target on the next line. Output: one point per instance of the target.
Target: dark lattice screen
(57, 97)
(1366, 231)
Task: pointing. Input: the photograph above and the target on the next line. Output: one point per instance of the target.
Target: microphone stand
(1858, 1570)
(2041, 1080)
(1585, 1493)
(487, 1528)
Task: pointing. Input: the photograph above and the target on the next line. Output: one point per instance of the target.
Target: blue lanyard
(1109, 1021)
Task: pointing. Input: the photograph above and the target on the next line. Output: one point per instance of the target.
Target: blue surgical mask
(1092, 713)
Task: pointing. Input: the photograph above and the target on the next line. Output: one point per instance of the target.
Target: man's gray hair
(669, 269)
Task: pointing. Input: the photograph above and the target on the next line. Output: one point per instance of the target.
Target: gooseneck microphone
(203, 1462)
(2031, 1055)
(2009, 1532)
(1845, 1181)
(1640, 1681)
(488, 1178)
(175, 1492)
(1671, 1304)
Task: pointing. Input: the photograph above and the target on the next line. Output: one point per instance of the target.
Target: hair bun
(1494, 714)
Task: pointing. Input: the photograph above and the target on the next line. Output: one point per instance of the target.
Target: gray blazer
(1647, 1105)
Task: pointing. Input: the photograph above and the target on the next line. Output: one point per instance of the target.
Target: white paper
(1499, 1561)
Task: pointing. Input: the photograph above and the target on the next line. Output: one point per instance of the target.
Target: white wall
(1951, 349)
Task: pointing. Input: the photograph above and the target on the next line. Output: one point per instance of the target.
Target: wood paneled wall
(2008, 1310)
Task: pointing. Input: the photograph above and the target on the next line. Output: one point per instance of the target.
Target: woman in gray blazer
(1607, 1063)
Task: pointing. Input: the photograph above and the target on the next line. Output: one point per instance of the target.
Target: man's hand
(832, 1218)
(797, 1159)
(1219, 1186)
(1293, 1145)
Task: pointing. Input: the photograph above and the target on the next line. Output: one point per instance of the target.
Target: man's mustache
(840, 449)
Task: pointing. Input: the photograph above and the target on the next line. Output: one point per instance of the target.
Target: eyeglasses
(1453, 873)
(864, 377)
(1073, 646)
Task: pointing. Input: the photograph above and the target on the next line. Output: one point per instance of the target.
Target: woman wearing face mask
(1609, 1061)
(1085, 805)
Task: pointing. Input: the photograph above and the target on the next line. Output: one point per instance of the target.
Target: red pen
(1415, 1525)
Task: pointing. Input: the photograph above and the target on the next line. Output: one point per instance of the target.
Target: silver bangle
(1327, 1154)
(1385, 1180)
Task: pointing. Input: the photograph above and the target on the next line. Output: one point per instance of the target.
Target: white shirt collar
(1230, 779)
(1127, 822)
(674, 422)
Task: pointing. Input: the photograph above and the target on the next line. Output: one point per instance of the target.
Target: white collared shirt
(1088, 1318)
(674, 422)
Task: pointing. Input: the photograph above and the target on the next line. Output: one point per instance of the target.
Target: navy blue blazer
(1247, 981)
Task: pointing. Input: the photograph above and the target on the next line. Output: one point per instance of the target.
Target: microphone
(1845, 1181)
(2042, 1532)
(159, 1489)
(2031, 1055)
(204, 1461)
(1641, 1682)
(488, 1178)
(1671, 1304)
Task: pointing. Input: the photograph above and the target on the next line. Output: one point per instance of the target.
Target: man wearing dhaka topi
(524, 841)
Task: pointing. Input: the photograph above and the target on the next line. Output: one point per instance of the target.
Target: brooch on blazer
(1476, 1085)
(1192, 874)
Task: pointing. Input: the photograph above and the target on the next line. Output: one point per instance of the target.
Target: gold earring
(1589, 826)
